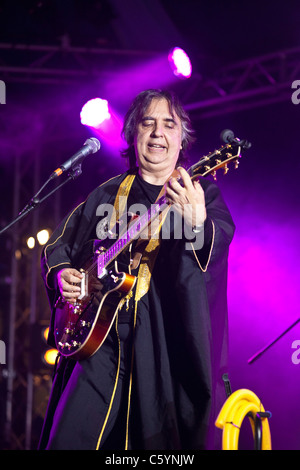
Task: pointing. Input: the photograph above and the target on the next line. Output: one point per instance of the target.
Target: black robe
(179, 344)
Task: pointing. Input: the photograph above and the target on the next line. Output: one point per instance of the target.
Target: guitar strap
(150, 252)
(146, 250)
(121, 199)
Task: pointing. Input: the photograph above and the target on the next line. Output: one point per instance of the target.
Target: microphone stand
(36, 201)
(261, 351)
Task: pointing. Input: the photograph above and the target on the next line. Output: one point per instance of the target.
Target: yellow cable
(232, 415)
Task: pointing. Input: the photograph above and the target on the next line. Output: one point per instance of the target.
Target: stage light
(18, 254)
(45, 333)
(43, 356)
(49, 356)
(94, 112)
(30, 242)
(104, 122)
(43, 236)
(180, 63)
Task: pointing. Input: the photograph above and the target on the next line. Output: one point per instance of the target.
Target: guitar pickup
(83, 286)
(101, 270)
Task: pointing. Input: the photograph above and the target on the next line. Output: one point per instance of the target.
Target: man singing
(156, 381)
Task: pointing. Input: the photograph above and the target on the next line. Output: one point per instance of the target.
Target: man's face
(158, 139)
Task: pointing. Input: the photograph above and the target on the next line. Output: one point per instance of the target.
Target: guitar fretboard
(133, 232)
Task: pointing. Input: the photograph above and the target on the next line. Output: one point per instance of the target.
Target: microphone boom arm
(35, 201)
(73, 164)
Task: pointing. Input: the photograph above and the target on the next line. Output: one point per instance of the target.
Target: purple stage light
(180, 63)
(104, 122)
(94, 112)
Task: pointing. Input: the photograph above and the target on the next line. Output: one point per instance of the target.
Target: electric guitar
(80, 328)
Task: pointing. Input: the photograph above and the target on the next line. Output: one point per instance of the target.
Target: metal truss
(63, 64)
(22, 313)
(259, 81)
(25, 387)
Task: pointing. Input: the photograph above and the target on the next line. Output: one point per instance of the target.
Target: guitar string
(111, 253)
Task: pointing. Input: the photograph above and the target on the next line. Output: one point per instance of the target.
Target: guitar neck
(134, 231)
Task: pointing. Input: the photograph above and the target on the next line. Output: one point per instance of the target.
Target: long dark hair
(136, 112)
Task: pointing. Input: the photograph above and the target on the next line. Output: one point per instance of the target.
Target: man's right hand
(68, 279)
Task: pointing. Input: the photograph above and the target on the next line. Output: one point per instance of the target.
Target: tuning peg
(236, 164)
(214, 175)
(99, 250)
(207, 167)
(226, 169)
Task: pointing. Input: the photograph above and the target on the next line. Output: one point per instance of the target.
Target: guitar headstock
(221, 158)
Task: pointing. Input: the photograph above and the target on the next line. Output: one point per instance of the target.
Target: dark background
(55, 56)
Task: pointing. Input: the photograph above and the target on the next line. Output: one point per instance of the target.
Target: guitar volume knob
(63, 345)
(69, 331)
(77, 309)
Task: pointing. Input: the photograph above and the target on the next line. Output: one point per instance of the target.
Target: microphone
(227, 136)
(91, 145)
